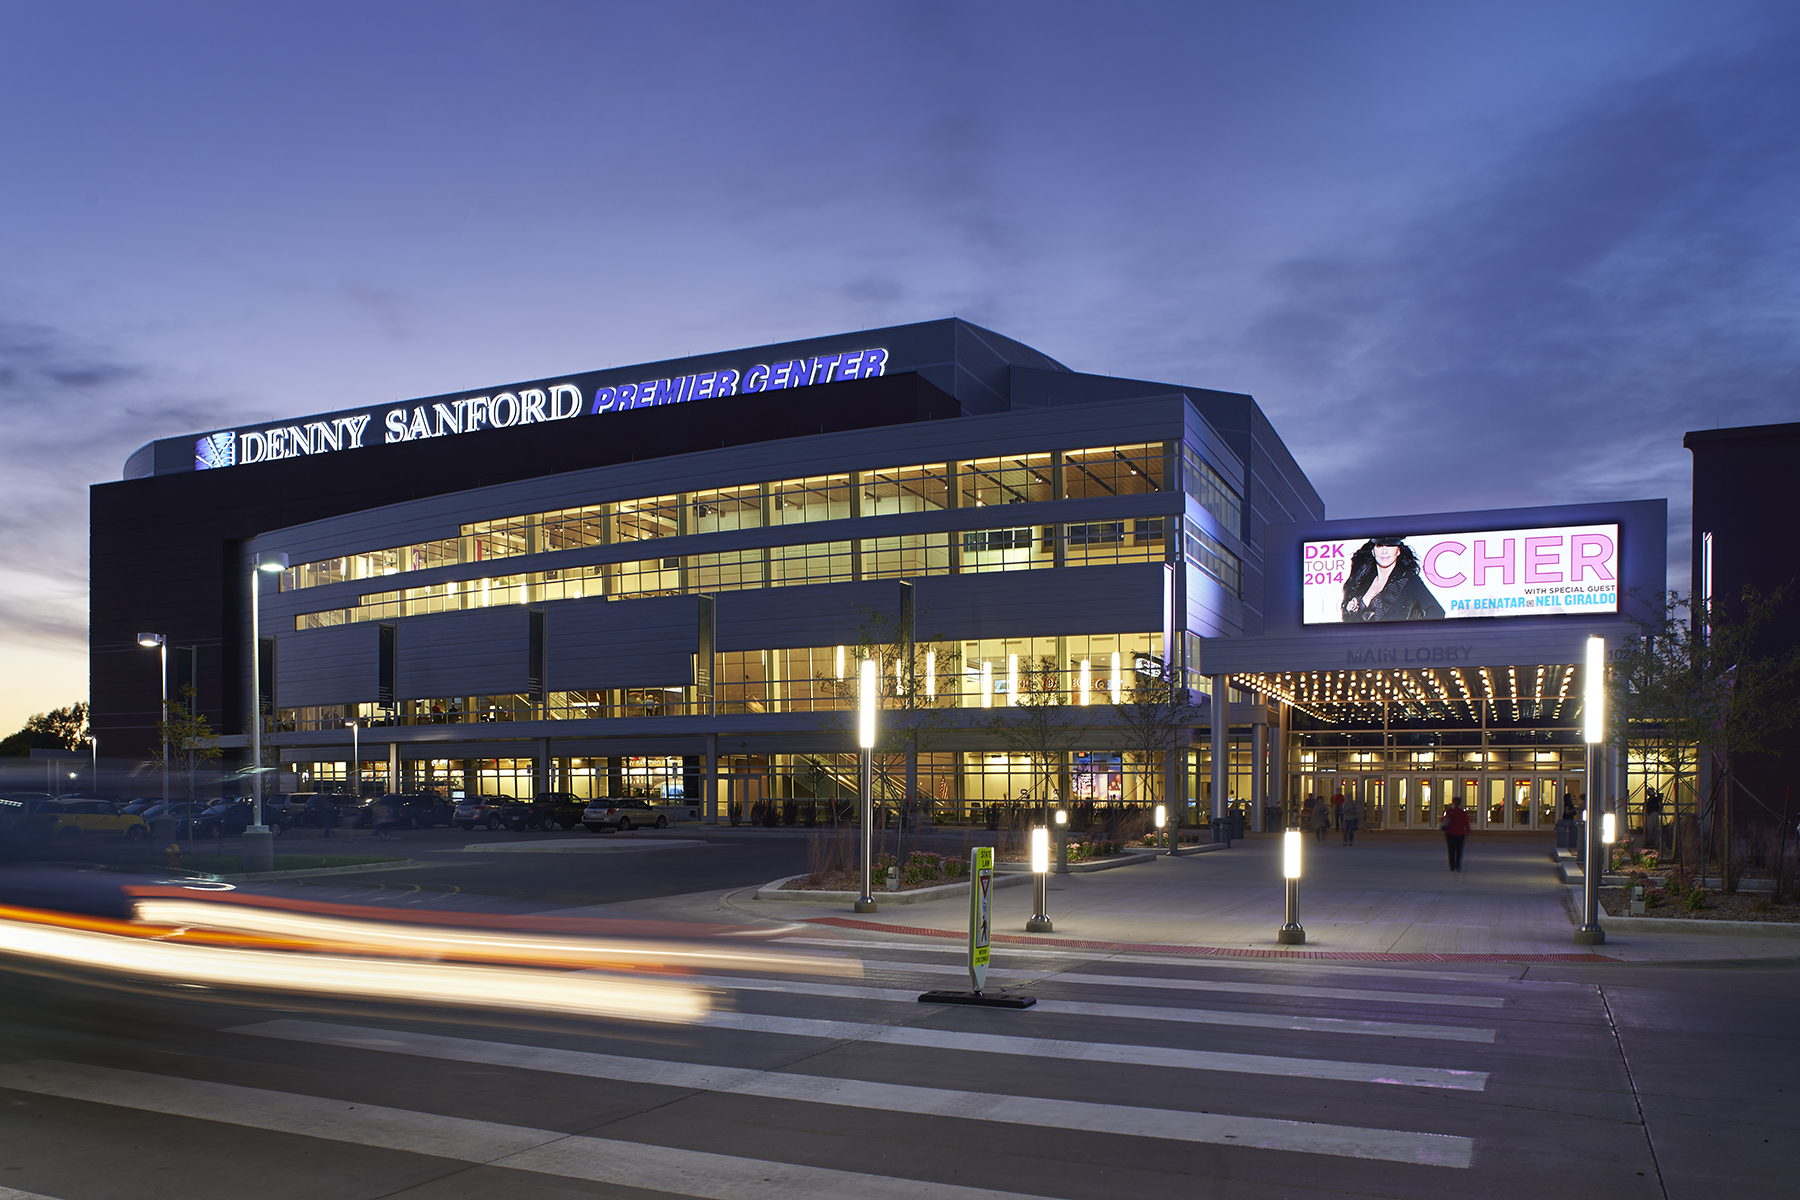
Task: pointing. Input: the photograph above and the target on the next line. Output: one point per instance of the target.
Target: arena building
(657, 579)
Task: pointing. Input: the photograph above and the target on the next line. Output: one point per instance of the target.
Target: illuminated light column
(867, 694)
(1594, 713)
(840, 663)
(931, 674)
(1012, 680)
(1086, 680)
(1291, 934)
(987, 685)
(1040, 887)
(1115, 685)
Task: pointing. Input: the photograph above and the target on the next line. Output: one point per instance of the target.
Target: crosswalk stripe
(1429, 1149)
(7, 1193)
(1448, 999)
(1130, 1012)
(540, 1151)
(1108, 1052)
(1309, 966)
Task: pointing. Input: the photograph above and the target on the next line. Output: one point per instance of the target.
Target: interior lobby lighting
(1115, 678)
(1086, 680)
(1012, 680)
(987, 684)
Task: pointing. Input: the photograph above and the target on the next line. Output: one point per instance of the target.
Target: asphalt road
(1134, 1076)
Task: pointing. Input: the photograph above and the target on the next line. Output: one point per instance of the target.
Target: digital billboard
(1443, 576)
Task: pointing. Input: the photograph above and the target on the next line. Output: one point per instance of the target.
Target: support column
(1278, 761)
(542, 772)
(393, 784)
(1221, 728)
(1259, 767)
(711, 767)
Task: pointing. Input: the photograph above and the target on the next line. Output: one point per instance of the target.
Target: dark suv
(479, 810)
(543, 811)
(422, 810)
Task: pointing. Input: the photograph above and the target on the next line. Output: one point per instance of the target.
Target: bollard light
(1162, 816)
(1291, 934)
(1040, 881)
(1609, 828)
(1062, 818)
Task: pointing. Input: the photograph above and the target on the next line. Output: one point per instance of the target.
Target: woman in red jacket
(1456, 830)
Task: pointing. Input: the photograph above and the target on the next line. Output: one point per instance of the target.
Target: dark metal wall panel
(327, 666)
(626, 643)
(476, 653)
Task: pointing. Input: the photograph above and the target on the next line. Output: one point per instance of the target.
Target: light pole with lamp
(1291, 934)
(868, 693)
(94, 775)
(1039, 922)
(259, 839)
(1062, 841)
(355, 759)
(1593, 704)
(160, 643)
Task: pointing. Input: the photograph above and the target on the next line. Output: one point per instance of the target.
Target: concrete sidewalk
(1389, 897)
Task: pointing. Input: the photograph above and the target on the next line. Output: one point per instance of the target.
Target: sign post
(981, 928)
(981, 913)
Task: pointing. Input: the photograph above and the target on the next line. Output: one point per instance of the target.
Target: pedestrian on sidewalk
(1456, 831)
(1337, 808)
(1353, 815)
(1321, 821)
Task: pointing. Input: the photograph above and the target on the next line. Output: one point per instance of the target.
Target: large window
(1210, 490)
(883, 491)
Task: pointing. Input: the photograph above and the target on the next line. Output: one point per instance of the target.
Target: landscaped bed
(1714, 906)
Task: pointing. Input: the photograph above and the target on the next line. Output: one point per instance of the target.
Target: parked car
(231, 817)
(140, 806)
(178, 811)
(82, 818)
(422, 810)
(623, 815)
(543, 811)
(480, 810)
(321, 810)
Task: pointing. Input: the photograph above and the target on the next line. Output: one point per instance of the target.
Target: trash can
(1221, 831)
(1236, 822)
(1271, 818)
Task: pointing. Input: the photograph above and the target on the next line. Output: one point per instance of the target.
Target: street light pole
(160, 643)
(259, 840)
(1593, 705)
(355, 760)
(868, 690)
(94, 745)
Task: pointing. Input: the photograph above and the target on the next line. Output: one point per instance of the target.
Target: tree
(188, 736)
(59, 729)
(1158, 711)
(1039, 725)
(921, 708)
(1698, 681)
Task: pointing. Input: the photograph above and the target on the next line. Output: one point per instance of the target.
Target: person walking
(1321, 821)
(1456, 831)
(1353, 815)
(1337, 808)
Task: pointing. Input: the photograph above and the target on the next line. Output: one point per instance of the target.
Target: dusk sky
(1463, 255)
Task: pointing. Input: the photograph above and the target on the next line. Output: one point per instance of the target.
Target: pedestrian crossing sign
(981, 912)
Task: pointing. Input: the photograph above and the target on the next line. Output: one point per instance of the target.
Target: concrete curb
(607, 847)
(1768, 929)
(1123, 860)
(398, 864)
(772, 891)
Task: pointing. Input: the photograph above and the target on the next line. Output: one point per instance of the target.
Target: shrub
(1679, 881)
(1696, 899)
(956, 868)
(922, 867)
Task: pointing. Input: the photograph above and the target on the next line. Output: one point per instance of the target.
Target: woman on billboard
(1385, 585)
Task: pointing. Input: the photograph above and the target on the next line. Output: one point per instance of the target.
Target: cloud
(1548, 332)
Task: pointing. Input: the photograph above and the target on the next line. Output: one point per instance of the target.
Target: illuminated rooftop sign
(561, 401)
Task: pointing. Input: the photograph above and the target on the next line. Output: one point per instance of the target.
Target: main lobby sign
(1572, 570)
(505, 409)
